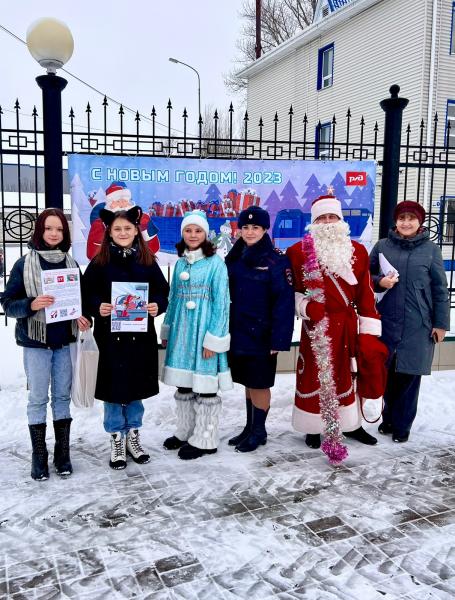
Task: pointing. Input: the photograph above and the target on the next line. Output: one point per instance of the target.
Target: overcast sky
(122, 48)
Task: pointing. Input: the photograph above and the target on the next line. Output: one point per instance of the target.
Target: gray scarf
(36, 324)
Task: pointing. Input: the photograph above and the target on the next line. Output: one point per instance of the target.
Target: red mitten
(371, 357)
(315, 310)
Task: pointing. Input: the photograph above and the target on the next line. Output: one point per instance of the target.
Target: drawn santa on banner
(118, 197)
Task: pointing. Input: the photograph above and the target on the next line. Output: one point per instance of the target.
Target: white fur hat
(326, 205)
(195, 217)
(118, 191)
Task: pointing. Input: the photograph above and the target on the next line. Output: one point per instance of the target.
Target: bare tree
(280, 20)
(226, 131)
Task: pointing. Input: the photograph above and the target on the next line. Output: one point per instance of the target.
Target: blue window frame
(322, 141)
(325, 66)
(452, 31)
(450, 118)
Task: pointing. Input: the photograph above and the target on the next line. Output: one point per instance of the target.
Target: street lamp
(50, 43)
(174, 60)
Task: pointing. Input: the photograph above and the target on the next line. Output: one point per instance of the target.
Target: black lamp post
(50, 42)
(179, 62)
(393, 108)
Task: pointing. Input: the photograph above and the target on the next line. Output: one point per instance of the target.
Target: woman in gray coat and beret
(414, 309)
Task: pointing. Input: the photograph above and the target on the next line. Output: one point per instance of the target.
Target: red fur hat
(409, 206)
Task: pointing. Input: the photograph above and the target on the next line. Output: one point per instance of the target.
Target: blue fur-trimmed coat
(262, 298)
(188, 331)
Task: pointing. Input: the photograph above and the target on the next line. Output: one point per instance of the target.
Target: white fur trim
(195, 220)
(118, 195)
(306, 422)
(353, 364)
(326, 206)
(348, 275)
(164, 333)
(300, 303)
(225, 381)
(215, 343)
(201, 384)
(177, 377)
(370, 325)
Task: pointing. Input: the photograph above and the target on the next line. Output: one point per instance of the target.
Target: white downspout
(426, 200)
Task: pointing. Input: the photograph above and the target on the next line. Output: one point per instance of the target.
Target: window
(322, 145)
(450, 135)
(448, 219)
(452, 31)
(286, 224)
(325, 66)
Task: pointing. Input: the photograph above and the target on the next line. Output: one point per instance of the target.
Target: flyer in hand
(65, 286)
(129, 301)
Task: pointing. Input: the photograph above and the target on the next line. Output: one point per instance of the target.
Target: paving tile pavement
(278, 523)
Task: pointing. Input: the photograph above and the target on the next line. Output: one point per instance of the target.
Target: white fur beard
(333, 246)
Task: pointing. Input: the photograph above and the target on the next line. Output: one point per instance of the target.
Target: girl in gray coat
(414, 311)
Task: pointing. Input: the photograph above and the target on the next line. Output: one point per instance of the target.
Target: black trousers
(400, 399)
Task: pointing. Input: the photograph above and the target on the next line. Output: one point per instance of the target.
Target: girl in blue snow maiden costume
(47, 358)
(195, 333)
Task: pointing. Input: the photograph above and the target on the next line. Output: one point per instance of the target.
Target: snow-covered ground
(277, 523)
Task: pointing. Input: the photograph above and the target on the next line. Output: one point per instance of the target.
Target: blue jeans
(44, 367)
(123, 417)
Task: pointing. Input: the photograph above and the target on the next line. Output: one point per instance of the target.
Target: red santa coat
(350, 308)
(96, 234)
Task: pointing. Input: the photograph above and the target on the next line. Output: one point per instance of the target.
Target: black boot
(189, 452)
(173, 443)
(62, 461)
(246, 430)
(258, 433)
(313, 440)
(40, 471)
(361, 436)
(385, 428)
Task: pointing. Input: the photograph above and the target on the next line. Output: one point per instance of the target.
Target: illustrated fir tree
(272, 206)
(339, 190)
(289, 197)
(312, 192)
(366, 237)
(79, 198)
(79, 242)
(366, 196)
(213, 194)
(356, 198)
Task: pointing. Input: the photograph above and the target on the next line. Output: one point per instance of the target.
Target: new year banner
(167, 188)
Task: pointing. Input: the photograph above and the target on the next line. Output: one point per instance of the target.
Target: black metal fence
(426, 171)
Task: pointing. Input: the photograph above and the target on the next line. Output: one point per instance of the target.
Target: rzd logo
(356, 178)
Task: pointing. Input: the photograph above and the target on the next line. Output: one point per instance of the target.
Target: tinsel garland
(321, 345)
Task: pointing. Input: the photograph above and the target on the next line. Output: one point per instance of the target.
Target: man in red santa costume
(335, 300)
(118, 197)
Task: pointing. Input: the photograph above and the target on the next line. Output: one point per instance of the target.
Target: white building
(348, 58)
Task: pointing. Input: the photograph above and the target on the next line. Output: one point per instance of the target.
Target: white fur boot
(186, 417)
(205, 435)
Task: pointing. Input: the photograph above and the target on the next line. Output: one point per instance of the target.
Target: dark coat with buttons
(262, 298)
(416, 304)
(18, 306)
(128, 362)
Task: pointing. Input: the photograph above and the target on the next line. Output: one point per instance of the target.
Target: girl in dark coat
(128, 362)
(414, 312)
(261, 319)
(47, 359)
